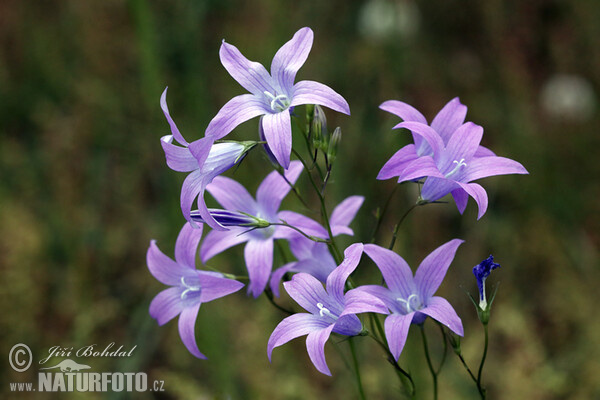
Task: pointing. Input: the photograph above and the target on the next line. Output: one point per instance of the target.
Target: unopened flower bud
(334, 142)
(318, 128)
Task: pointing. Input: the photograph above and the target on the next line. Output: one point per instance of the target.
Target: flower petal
(403, 110)
(432, 270)
(290, 58)
(236, 111)
(174, 130)
(489, 166)
(343, 215)
(449, 118)
(214, 287)
(217, 241)
(315, 345)
(310, 92)
(460, 198)
(186, 246)
(483, 152)
(396, 332)
(396, 164)
(232, 195)
(421, 167)
(439, 309)
(166, 305)
(479, 194)
(259, 262)
(305, 224)
(382, 293)
(464, 142)
(426, 132)
(178, 158)
(337, 279)
(359, 301)
(278, 132)
(251, 75)
(292, 327)
(277, 276)
(435, 188)
(164, 269)
(187, 325)
(396, 272)
(274, 187)
(193, 186)
(307, 291)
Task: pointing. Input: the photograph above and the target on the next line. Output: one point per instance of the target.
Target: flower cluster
(445, 158)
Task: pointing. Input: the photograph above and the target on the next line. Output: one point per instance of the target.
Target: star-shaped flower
(272, 95)
(189, 287)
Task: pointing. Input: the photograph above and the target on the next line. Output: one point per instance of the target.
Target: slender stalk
(445, 349)
(269, 295)
(483, 357)
(294, 189)
(429, 363)
(361, 390)
(300, 231)
(383, 211)
(397, 227)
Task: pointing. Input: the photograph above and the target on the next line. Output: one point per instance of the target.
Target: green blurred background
(84, 186)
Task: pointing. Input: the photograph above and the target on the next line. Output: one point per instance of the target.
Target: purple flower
(259, 248)
(272, 95)
(314, 258)
(445, 123)
(189, 286)
(481, 272)
(204, 159)
(329, 310)
(231, 218)
(410, 299)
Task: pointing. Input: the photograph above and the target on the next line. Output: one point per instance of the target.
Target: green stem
(429, 364)
(380, 217)
(445, 348)
(479, 373)
(356, 368)
(397, 227)
(269, 295)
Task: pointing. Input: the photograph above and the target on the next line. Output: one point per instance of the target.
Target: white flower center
(325, 312)
(189, 289)
(412, 303)
(279, 102)
(459, 164)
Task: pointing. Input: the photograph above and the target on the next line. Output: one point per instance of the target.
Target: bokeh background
(84, 186)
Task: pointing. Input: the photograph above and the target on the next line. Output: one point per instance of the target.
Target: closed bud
(334, 142)
(318, 128)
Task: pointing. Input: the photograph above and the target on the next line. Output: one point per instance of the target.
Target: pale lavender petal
(236, 111)
(174, 130)
(489, 166)
(343, 215)
(426, 132)
(396, 332)
(214, 287)
(187, 245)
(292, 327)
(277, 276)
(315, 345)
(337, 279)
(479, 194)
(251, 75)
(348, 325)
(232, 195)
(200, 149)
(187, 325)
(396, 164)
(317, 267)
(422, 166)
(274, 187)
(305, 224)
(396, 272)
(310, 92)
(164, 269)
(193, 186)
(483, 152)
(166, 305)
(464, 142)
(307, 291)
(403, 110)
(435, 188)
(460, 198)
(439, 309)
(432, 270)
(359, 301)
(382, 293)
(259, 262)
(449, 118)
(278, 132)
(290, 58)
(217, 241)
(178, 158)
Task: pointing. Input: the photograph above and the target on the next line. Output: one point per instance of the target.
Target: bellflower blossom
(204, 159)
(410, 299)
(329, 310)
(313, 257)
(481, 272)
(258, 252)
(189, 287)
(272, 95)
(453, 166)
(445, 123)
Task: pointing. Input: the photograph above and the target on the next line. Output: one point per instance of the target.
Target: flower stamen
(408, 301)
(189, 288)
(278, 102)
(459, 164)
(324, 311)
